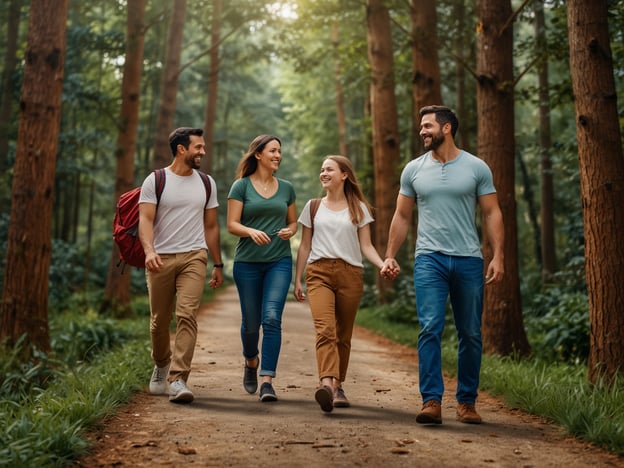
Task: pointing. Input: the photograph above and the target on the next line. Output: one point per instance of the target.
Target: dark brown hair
(443, 115)
(182, 136)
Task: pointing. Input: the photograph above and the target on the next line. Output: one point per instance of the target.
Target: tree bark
(425, 64)
(503, 328)
(385, 132)
(116, 300)
(10, 60)
(24, 306)
(460, 46)
(169, 91)
(213, 87)
(602, 182)
(547, 231)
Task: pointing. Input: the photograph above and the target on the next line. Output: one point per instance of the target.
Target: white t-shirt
(179, 221)
(335, 236)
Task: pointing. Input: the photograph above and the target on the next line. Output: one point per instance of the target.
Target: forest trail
(225, 426)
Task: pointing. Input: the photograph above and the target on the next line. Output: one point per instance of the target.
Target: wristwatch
(217, 265)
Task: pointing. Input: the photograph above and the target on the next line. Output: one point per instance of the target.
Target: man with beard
(177, 232)
(447, 184)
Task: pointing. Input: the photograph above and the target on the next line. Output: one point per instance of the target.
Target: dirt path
(225, 426)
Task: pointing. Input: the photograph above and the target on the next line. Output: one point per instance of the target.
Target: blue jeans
(262, 290)
(436, 277)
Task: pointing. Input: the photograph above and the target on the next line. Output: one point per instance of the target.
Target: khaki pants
(334, 292)
(179, 283)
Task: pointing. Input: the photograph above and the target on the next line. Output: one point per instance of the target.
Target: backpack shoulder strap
(314, 206)
(159, 175)
(207, 185)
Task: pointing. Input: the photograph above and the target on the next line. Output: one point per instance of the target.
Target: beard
(192, 163)
(436, 141)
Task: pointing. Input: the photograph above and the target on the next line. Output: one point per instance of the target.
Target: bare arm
(367, 247)
(495, 233)
(302, 258)
(399, 227)
(147, 214)
(213, 241)
(234, 225)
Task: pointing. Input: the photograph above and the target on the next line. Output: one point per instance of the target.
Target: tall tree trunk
(169, 91)
(385, 128)
(547, 234)
(340, 110)
(503, 328)
(24, 306)
(425, 65)
(459, 12)
(10, 60)
(602, 182)
(213, 86)
(116, 300)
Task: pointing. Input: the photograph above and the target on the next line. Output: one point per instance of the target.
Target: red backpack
(126, 221)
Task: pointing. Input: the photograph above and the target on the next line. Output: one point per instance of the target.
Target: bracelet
(217, 265)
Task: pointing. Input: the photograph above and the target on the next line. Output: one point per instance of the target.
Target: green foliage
(20, 377)
(47, 405)
(82, 338)
(562, 394)
(558, 324)
(48, 429)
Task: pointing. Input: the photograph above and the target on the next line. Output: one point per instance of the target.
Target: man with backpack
(177, 232)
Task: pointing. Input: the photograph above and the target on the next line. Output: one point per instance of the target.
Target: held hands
(390, 269)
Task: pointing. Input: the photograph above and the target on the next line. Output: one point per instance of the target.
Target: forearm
(213, 241)
(302, 258)
(396, 236)
(495, 233)
(370, 252)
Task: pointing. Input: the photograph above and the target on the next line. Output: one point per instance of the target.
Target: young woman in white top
(331, 254)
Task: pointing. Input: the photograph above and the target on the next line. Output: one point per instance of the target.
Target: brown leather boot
(431, 413)
(467, 413)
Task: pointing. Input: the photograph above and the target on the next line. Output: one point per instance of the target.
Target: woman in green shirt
(262, 213)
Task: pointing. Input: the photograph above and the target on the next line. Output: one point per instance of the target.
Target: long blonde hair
(352, 190)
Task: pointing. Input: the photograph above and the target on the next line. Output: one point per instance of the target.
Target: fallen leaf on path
(187, 451)
(399, 450)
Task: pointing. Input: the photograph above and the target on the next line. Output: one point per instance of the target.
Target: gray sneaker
(158, 382)
(179, 392)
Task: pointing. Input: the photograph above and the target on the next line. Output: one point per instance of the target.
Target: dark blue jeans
(262, 290)
(436, 277)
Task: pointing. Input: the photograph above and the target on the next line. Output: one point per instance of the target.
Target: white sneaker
(179, 392)
(158, 382)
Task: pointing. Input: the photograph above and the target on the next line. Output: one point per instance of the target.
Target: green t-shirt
(264, 214)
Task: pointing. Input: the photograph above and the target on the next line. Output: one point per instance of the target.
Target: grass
(48, 428)
(558, 392)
